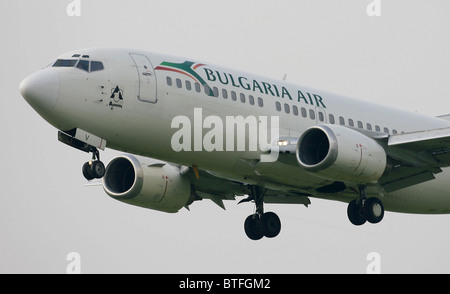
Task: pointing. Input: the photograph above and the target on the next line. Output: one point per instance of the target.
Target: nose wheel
(260, 224)
(94, 169)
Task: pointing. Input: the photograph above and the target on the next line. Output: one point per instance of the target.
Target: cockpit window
(96, 65)
(65, 63)
(82, 64)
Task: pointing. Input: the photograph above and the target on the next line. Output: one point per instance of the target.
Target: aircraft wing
(217, 189)
(417, 157)
(432, 144)
(414, 157)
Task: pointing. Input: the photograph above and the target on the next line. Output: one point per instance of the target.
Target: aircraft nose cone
(41, 90)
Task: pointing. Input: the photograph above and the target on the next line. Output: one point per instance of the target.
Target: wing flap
(416, 157)
(433, 144)
(402, 177)
(435, 139)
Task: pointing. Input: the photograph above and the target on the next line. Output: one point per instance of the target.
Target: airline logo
(212, 133)
(188, 68)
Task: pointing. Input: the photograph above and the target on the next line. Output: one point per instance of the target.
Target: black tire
(271, 224)
(355, 214)
(253, 227)
(87, 172)
(374, 210)
(97, 169)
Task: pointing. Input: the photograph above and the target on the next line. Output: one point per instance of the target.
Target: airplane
(191, 130)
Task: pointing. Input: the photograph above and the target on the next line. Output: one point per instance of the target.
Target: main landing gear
(94, 169)
(362, 209)
(260, 224)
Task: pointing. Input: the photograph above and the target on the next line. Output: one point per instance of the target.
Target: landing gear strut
(260, 224)
(362, 209)
(94, 169)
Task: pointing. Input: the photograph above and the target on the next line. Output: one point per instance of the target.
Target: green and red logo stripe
(186, 68)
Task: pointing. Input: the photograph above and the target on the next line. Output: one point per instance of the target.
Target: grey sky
(400, 58)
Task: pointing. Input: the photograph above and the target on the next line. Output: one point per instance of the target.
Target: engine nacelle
(339, 153)
(160, 187)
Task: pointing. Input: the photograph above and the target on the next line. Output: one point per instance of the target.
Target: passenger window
(179, 84)
(350, 122)
(208, 90)
(321, 116)
(394, 132)
(96, 65)
(198, 89)
(251, 100)
(287, 109)
(278, 106)
(360, 124)
(224, 93)
(386, 130)
(369, 126)
(188, 85)
(169, 81)
(295, 110)
(215, 92)
(331, 119)
(233, 96)
(304, 113)
(377, 128)
(341, 121)
(312, 114)
(260, 102)
(242, 96)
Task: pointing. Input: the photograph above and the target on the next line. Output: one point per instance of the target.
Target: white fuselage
(134, 112)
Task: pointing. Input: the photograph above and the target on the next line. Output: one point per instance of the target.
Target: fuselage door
(147, 78)
(321, 116)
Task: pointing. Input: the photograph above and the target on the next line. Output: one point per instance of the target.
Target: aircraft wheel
(374, 210)
(87, 173)
(98, 169)
(253, 227)
(271, 224)
(93, 170)
(355, 214)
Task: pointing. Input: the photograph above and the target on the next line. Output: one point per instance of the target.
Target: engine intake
(160, 187)
(339, 153)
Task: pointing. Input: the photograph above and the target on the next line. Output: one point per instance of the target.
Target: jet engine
(155, 186)
(339, 153)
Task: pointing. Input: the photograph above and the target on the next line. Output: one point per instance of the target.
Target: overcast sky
(400, 58)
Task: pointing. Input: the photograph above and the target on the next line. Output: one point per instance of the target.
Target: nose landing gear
(94, 169)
